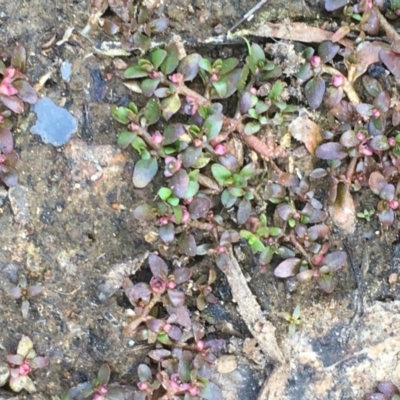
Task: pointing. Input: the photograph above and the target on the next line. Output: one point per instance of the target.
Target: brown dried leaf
(306, 131)
(342, 210)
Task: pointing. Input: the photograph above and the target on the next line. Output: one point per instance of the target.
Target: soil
(69, 223)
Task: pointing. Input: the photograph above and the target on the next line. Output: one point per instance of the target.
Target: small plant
(25, 293)
(19, 366)
(386, 391)
(366, 214)
(294, 319)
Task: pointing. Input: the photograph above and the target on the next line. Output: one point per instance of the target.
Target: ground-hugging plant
(19, 366)
(14, 92)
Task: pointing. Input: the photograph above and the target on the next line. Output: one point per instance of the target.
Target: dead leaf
(342, 210)
(306, 131)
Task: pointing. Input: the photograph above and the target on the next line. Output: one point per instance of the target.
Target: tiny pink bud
(338, 80)
(200, 345)
(296, 215)
(220, 249)
(318, 259)
(194, 390)
(133, 127)
(1, 119)
(101, 390)
(188, 201)
(392, 141)
(24, 369)
(10, 71)
(220, 149)
(154, 75)
(197, 142)
(360, 136)
(171, 285)
(315, 61)
(157, 138)
(167, 328)
(163, 221)
(143, 386)
(376, 113)
(157, 285)
(270, 240)
(176, 78)
(394, 204)
(6, 88)
(365, 150)
(253, 90)
(2, 158)
(98, 396)
(185, 215)
(214, 78)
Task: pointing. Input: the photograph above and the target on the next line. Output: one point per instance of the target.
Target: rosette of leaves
(20, 365)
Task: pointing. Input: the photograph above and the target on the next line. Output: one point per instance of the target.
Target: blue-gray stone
(55, 125)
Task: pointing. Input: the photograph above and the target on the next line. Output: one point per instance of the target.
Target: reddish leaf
(391, 61)
(179, 183)
(332, 5)
(13, 103)
(26, 92)
(331, 151)
(386, 217)
(187, 244)
(199, 207)
(335, 260)
(6, 140)
(158, 267)
(314, 91)
(377, 182)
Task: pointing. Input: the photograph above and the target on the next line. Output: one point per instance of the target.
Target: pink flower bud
(376, 113)
(392, 141)
(172, 165)
(315, 61)
(214, 78)
(101, 390)
(220, 149)
(154, 75)
(253, 90)
(133, 127)
(197, 142)
(10, 71)
(163, 221)
(296, 215)
(171, 285)
(157, 138)
(200, 345)
(338, 80)
(143, 386)
(394, 204)
(364, 149)
(24, 369)
(194, 390)
(185, 215)
(167, 328)
(188, 201)
(2, 158)
(220, 249)
(1, 119)
(157, 285)
(318, 259)
(360, 136)
(176, 78)
(6, 88)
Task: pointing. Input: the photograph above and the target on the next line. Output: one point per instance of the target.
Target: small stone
(393, 278)
(55, 125)
(226, 364)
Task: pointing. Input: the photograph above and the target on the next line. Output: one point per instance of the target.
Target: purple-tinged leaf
(14, 103)
(137, 292)
(246, 102)
(35, 290)
(386, 217)
(8, 175)
(199, 207)
(285, 211)
(158, 267)
(182, 275)
(377, 182)
(170, 106)
(25, 91)
(172, 133)
(305, 73)
(318, 173)
(15, 359)
(382, 101)
(314, 91)
(155, 324)
(162, 92)
(327, 50)
(144, 172)
(187, 244)
(211, 391)
(182, 315)
(144, 373)
(179, 183)
(371, 85)
(227, 85)
(287, 268)
(141, 41)
(317, 216)
(318, 232)
(371, 25)
(176, 297)
(331, 151)
(336, 260)
(175, 333)
(158, 25)
(391, 61)
(387, 192)
(103, 376)
(167, 232)
(244, 211)
(388, 388)
(6, 140)
(191, 155)
(39, 362)
(213, 124)
(159, 355)
(332, 5)
(326, 283)
(349, 139)
(342, 209)
(189, 66)
(15, 292)
(144, 213)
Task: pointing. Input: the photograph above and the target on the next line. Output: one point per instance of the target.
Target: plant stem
(390, 31)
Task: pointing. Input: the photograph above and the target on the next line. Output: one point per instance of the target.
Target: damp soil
(69, 222)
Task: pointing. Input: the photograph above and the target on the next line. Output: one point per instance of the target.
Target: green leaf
(247, 171)
(227, 199)
(256, 58)
(174, 201)
(139, 144)
(256, 244)
(132, 106)
(170, 106)
(103, 376)
(212, 125)
(148, 86)
(18, 58)
(141, 41)
(261, 107)
(228, 65)
(276, 90)
(178, 213)
(245, 234)
(221, 88)
(220, 173)
(125, 139)
(241, 83)
(122, 114)
(192, 190)
(251, 128)
(205, 64)
(171, 60)
(157, 57)
(135, 72)
(144, 172)
(189, 66)
(231, 81)
(210, 391)
(152, 111)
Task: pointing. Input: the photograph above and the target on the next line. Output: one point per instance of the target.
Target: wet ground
(70, 222)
